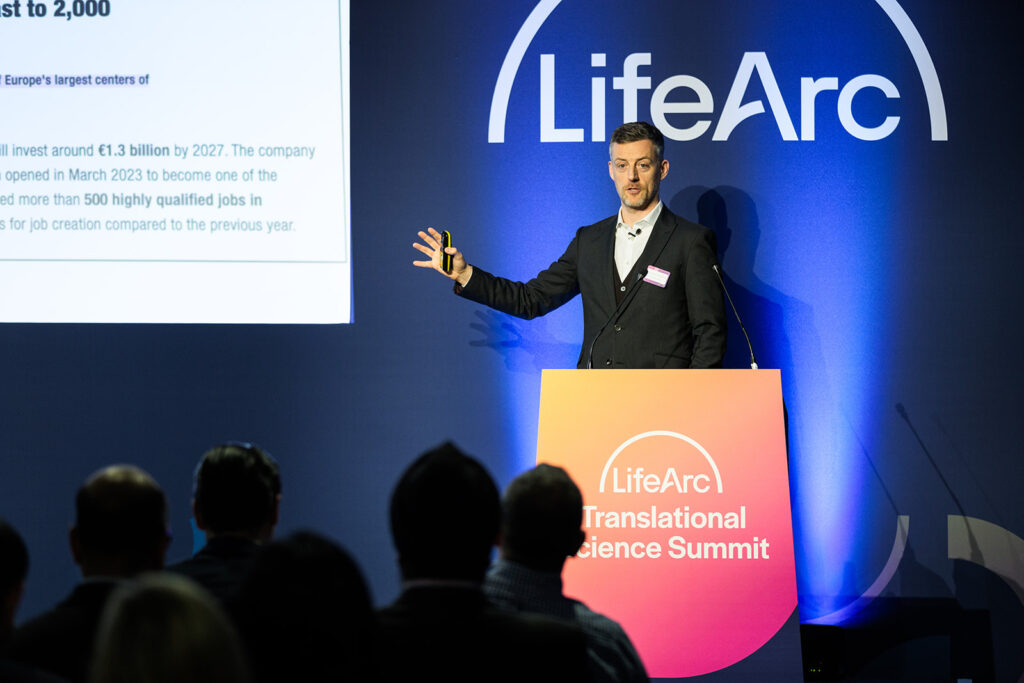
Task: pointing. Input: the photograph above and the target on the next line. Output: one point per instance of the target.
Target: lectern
(689, 541)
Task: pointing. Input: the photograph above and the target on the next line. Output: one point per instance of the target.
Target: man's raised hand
(430, 246)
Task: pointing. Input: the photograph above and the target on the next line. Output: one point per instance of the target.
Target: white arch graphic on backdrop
(899, 546)
(925, 66)
(674, 435)
(995, 548)
(968, 538)
(544, 8)
(510, 67)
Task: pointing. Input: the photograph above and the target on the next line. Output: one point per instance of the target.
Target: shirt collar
(647, 221)
(441, 583)
(516, 571)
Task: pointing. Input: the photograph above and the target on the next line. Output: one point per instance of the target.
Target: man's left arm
(705, 302)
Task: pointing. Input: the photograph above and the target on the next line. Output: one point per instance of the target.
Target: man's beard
(640, 201)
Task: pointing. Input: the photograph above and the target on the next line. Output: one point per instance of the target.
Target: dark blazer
(61, 641)
(220, 566)
(454, 634)
(680, 325)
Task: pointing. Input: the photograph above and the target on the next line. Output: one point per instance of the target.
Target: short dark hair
(639, 130)
(121, 512)
(236, 488)
(13, 559)
(542, 514)
(445, 516)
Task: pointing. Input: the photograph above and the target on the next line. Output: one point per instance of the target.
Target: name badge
(656, 276)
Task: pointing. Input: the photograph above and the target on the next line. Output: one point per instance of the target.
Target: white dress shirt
(630, 240)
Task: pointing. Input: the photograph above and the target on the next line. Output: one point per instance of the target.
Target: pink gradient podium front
(689, 541)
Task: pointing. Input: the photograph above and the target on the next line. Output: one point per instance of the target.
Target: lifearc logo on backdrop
(688, 94)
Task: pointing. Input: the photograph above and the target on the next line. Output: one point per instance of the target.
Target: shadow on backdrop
(526, 345)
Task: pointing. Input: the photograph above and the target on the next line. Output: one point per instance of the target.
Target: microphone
(634, 234)
(625, 299)
(753, 363)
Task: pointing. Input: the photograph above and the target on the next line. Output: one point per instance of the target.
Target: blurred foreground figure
(305, 613)
(166, 629)
(13, 571)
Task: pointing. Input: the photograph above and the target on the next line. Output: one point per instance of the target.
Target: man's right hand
(431, 247)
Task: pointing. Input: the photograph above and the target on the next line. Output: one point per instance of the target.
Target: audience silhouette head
(445, 517)
(120, 531)
(542, 517)
(120, 523)
(237, 492)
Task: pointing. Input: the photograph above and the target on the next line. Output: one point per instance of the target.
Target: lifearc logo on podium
(689, 539)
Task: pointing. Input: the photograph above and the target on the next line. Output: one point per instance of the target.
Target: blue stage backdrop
(860, 164)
